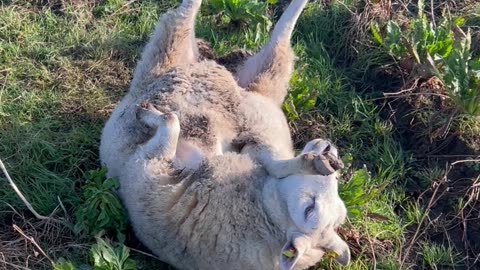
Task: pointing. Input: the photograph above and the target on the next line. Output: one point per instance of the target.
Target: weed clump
(442, 50)
(101, 210)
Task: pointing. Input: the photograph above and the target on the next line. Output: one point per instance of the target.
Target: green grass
(436, 256)
(63, 70)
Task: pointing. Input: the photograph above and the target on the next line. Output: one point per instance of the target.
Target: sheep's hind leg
(163, 144)
(268, 72)
(172, 44)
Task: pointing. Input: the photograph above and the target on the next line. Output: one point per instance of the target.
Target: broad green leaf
(62, 264)
(354, 212)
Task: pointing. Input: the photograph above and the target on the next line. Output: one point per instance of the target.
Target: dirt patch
(367, 246)
(204, 49)
(88, 84)
(428, 121)
(428, 125)
(307, 127)
(24, 242)
(453, 219)
(234, 59)
(58, 6)
(230, 61)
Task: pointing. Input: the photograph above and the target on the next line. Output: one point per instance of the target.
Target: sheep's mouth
(290, 254)
(327, 252)
(293, 250)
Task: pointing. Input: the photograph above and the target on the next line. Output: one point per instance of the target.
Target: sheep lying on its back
(229, 213)
(216, 112)
(189, 200)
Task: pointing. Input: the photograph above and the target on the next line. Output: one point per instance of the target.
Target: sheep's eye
(309, 210)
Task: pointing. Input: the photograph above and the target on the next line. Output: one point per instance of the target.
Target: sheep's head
(313, 211)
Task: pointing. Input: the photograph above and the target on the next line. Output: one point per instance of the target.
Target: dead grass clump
(307, 127)
(451, 215)
(234, 59)
(90, 88)
(112, 76)
(27, 243)
(428, 120)
(380, 11)
(370, 247)
(58, 6)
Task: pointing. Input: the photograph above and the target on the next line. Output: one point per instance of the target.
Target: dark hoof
(326, 164)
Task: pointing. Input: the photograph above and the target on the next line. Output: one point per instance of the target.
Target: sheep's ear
(341, 248)
(293, 250)
(319, 146)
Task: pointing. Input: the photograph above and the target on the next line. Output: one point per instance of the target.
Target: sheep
(229, 213)
(219, 111)
(172, 142)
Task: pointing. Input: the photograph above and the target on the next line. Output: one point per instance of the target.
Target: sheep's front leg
(163, 144)
(326, 159)
(318, 157)
(308, 163)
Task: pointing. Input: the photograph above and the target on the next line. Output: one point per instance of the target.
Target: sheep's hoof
(144, 109)
(141, 112)
(147, 114)
(170, 118)
(192, 3)
(326, 164)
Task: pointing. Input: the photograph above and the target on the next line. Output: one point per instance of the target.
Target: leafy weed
(101, 210)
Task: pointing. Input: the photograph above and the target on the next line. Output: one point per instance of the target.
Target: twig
(433, 200)
(433, 14)
(62, 206)
(19, 193)
(346, 7)
(465, 161)
(473, 196)
(448, 156)
(409, 94)
(417, 231)
(144, 253)
(122, 8)
(14, 265)
(31, 240)
(374, 257)
(477, 259)
(430, 94)
(414, 86)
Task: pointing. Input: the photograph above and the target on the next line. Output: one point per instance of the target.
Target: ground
(65, 64)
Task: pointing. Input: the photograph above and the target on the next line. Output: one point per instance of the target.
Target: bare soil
(426, 122)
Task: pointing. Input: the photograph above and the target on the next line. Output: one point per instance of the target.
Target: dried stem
(19, 193)
(31, 240)
(433, 200)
